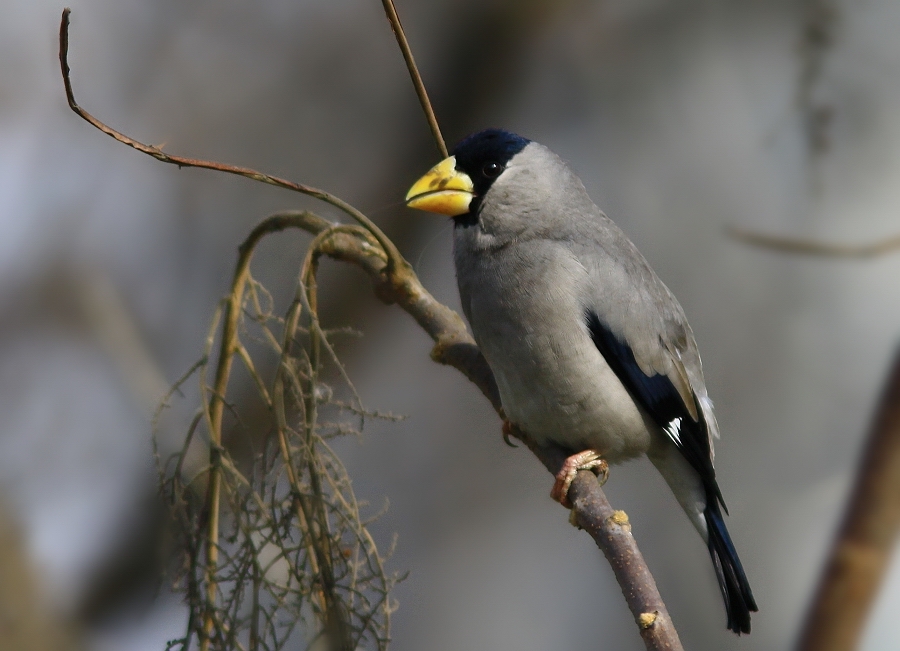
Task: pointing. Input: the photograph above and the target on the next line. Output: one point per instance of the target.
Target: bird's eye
(492, 170)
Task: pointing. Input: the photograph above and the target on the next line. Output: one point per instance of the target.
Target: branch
(810, 247)
(611, 532)
(395, 282)
(335, 620)
(418, 84)
(865, 542)
(182, 161)
(454, 347)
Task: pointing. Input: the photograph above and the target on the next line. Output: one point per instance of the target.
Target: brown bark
(865, 542)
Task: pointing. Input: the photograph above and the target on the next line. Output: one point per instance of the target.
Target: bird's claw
(507, 432)
(586, 460)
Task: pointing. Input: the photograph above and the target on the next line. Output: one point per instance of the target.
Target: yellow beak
(443, 189)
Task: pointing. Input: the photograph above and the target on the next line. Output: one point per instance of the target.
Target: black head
(484, 156)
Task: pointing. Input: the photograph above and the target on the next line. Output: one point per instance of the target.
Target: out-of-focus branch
(26, 621)
(395, 282)
(116, 331)
(334, 620)
(821, 19)
(811, 247)
(865, 542)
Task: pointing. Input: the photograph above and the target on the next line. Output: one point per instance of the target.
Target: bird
(589, 349)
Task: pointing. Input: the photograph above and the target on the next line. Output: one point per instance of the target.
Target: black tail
(739, 601)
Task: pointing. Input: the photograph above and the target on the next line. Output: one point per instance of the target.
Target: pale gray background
(682, 117)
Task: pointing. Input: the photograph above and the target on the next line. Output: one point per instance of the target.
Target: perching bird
(590, 350)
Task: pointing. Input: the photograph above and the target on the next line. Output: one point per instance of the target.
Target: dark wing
(682, 421)
(661, 399)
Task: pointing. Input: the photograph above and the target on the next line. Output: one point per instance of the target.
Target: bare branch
(181, 161)
(611, 531)
(865, 542)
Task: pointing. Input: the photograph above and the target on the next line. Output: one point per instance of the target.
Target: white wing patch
(673, 429)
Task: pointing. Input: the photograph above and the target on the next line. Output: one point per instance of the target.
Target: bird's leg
(507, 432)
(586, 460)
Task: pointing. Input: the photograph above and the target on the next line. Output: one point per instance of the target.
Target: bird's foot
(509, 430)
(586, 460)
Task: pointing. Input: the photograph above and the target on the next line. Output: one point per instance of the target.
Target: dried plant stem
(212, 544)
(866, 540)
(228, 348)
(418, 84)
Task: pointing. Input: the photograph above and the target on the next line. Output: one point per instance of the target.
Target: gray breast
(522, 301)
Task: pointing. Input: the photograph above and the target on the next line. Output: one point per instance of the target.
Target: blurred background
(683, 117)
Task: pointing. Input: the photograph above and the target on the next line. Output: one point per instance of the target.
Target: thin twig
(393, 254)
(164, 403)
(865, 543)
(228, 348)
(811, 247)
(213, 493)
(251, 369)
(419, 85)
(336, 625)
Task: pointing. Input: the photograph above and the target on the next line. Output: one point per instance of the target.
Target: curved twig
(395, 259)
(228, 348)
(311, 511)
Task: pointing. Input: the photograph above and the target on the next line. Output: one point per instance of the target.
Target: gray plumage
(540, 255)
(589, 348)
